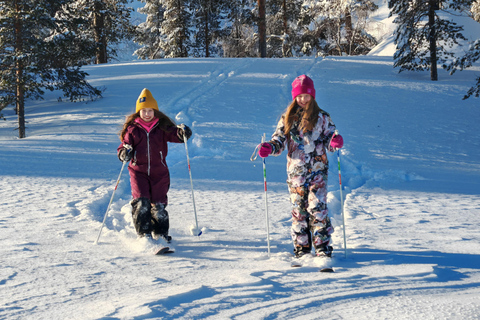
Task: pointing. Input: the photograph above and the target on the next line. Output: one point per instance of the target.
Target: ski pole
(111, 199)
(252, 158)
(341, 198)
(197, 232)
(266, 202)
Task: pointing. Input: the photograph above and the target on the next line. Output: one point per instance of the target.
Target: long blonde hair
(309, 117)
(163, 122)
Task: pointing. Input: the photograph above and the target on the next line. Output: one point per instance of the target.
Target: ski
(325, 270)
(163, 250)
(297, 263)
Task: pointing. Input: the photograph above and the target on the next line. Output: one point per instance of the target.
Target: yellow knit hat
(146, 100)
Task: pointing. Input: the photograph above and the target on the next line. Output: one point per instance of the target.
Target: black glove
(184, 130)
(125, 154)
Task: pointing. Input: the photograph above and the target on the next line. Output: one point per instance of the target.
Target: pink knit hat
(302, 84)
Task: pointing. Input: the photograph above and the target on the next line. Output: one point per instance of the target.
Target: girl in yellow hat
(144, 143)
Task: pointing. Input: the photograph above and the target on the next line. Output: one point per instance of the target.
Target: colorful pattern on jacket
(307, 171)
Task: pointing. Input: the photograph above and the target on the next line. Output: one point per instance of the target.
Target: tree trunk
(20, 85)
(99, 30)
(348, 31)
(207, 41)
(286, 41)
(432, 37)
(262, 29)
(20, 105)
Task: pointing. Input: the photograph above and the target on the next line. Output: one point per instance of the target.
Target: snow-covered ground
(410, 167)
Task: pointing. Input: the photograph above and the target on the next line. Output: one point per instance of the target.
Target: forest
(45, 43)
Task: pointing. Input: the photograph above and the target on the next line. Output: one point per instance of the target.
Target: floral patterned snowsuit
(307, 170)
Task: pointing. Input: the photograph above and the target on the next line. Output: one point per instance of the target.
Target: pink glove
(265, 150)
(337, 142)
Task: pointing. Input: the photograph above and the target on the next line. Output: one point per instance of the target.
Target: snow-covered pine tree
(422, 36)
(239, 40)
(338, 26)
(475, 9)
(176, 29)
(358, 41)
(208, 19)
(284, 27)
(36, 53)
(109, 25)
(471, 55)
(148, 33)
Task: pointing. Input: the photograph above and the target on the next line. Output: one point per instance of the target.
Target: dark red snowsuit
(149, 176)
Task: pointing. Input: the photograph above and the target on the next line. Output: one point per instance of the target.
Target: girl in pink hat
(306, 131)
(144, 137)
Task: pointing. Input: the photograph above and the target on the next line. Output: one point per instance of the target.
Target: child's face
(303, 100)
(147, 114)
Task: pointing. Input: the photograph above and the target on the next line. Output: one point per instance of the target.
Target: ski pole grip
(335, 133)
(254, 154)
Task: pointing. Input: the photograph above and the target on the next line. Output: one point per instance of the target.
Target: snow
(409, 167)
(382, 28)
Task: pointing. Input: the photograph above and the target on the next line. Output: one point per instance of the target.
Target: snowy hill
(410, 167)
(382, 28)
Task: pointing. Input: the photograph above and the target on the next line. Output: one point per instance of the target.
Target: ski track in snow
(413, 247)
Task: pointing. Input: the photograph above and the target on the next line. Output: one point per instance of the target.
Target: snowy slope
(382, 28)
(410, 167)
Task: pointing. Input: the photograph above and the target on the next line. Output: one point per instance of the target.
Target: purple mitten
(265, 150)
(337, 142)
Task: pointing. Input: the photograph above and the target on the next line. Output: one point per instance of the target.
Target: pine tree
(283, 27)
(471, 55)
(109, 25)
(36, 53)
(239, 40)
(475, 49)
(176, 29)
(208, 17)
(339, 27)
(149, 32)
(357, 40)
(422, 36)
(475, 9)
